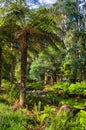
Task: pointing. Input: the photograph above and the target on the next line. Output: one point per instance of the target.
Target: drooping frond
(17, 13)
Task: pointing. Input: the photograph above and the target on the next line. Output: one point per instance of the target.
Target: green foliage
(35, 86)
(14, 92)
(78, 88)
(58, 122)
(5, 84)
(48, 20)
(47, 61)
(51, 119)
(62, 88)
(79, 121)
(68, 69)
(11, 120)
(37, 70)
(11, 91)
(67, 88)
(47, 114)
(42, 116)
(33, 98)
(67, 56)
(70, 9)
(71, 64)
(74, 61)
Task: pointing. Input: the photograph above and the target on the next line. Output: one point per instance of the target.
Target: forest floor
(17, 120)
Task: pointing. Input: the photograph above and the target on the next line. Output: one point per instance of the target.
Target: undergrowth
(10, 120)
(43, 112)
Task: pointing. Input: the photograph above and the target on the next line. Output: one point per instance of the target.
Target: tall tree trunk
(23, 76)
(0, 65)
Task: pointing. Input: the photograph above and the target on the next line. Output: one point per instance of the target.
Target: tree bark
(0, 65)
(23, 76)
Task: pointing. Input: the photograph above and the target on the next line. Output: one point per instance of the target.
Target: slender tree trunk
(0, 65)
(23, 70)
(45, 78)
(23, 76)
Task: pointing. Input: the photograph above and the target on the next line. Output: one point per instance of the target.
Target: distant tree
(74, 42)
(48, 63)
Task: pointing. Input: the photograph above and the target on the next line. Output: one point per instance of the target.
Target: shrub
(79, 121)
(67, 88)
(62, 87)
(78, 88)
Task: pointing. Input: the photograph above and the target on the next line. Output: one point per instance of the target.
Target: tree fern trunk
(0, 65)
(23, 76)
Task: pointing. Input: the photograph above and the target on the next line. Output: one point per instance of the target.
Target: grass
(10, 120)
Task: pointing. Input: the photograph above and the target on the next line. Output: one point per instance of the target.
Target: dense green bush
(78, 88)
(67, 88)
(62, 88)
(78, 122)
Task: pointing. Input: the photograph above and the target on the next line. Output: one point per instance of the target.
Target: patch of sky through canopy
(47, 1)
(37, 3)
